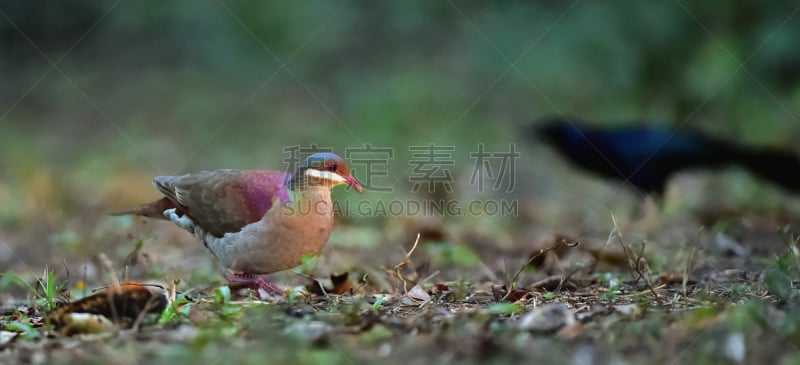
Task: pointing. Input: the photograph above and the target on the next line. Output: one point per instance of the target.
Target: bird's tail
(778, 166)
(152, 210)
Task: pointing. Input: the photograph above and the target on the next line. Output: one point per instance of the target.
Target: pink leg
(255, 281)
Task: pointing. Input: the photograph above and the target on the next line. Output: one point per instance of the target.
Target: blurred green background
(99, 96)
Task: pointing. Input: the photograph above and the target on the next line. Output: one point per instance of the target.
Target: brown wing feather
(222, 201)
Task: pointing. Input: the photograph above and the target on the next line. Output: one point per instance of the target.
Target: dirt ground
(650, 289)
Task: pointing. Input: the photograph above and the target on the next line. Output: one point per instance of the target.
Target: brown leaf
(121, 305)
(441, 287)
(544, 259)
(500, 293)
(607, 256)
(341, 285)
(670, 278)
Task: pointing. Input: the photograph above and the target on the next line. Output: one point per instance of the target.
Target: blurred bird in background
(646, 156)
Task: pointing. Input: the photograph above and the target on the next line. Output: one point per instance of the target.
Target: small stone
(311, 331)
(547, 318)
(735, 347)
(628, 309)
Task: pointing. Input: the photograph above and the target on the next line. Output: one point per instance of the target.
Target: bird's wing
(222, 201)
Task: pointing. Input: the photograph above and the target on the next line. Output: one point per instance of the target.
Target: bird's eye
(332, 167)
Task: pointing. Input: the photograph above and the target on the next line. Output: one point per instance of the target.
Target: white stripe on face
(326, 175)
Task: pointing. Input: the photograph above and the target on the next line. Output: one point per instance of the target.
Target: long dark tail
(152, 210)
(779, 167)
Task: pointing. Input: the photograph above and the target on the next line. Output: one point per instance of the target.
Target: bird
(645, 156)
(254, 222)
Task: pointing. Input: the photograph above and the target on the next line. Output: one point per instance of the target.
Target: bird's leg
(255, 282)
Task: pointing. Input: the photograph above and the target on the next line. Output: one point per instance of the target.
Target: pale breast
(281, 239)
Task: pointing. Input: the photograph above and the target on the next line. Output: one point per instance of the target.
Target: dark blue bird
(646, 156)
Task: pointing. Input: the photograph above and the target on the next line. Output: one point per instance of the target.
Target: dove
(254, 222)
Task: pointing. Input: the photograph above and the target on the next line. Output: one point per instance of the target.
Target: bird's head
(322, 169)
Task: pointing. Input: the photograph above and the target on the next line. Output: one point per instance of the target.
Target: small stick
(403, 263)
(406, 261)
(151, 303)
(541, 252)
(635, 261)
(110, 268)
(686, 272)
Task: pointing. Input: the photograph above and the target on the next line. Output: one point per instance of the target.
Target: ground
(461, 293)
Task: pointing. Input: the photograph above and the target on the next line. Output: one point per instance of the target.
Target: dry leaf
(121, 305)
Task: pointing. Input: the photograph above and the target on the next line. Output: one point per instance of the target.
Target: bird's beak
(353, 183)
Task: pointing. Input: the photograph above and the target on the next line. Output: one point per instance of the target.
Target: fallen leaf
(673, 278)
(74, 323)
(499, 292)
(419, 294)
(7, 337)
(607, 256)
(121, 305)
(341, 284)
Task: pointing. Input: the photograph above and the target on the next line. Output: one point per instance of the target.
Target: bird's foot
(255, 281)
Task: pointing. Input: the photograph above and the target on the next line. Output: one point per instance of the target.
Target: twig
(66, 269)
(643, 292)
(139, 284)
(85, 276)
(637, 262)
(362, 284)
(686, 271)
(546, 282)
(110, 268)
(396, 271)
(314, 280)
(617, 234)
(557, 245)
(566, 278)
(151, 303)
(172, 291)
(429, 277)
